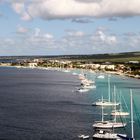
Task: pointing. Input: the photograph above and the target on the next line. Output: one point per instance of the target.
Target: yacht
(81, 77)
(89, 86)
(82, 90)
(132, 121)
(101, 77)
(107, 102)
(107, 135)
(120, 112)
(107, 124)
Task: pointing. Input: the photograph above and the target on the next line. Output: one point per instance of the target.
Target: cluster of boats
(86, 84)
(105, 129)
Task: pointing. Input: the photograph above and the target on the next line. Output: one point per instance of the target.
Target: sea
(39, 104)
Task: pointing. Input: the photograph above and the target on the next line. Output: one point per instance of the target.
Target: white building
(32, 64)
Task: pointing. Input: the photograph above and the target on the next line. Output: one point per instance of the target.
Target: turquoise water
(123, 86)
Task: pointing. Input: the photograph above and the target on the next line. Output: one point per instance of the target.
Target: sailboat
(107, 135)
(107, 124)
(106, 102)
(101, 77)
(120, 112)
(82, 90)
(132, 121)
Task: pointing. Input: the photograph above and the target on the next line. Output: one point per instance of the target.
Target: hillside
(114, 57)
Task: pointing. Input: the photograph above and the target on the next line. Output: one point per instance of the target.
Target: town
(128, 68)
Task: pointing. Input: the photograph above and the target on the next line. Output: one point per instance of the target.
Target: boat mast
(108, 89)
(120, 102)
(115, 102)
(102, 111)
(132, 122)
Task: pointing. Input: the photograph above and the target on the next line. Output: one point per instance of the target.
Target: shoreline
(57, 68)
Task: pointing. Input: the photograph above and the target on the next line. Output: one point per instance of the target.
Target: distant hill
(113, 57)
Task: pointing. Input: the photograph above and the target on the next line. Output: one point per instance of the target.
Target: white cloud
(82, 20)
(40, 38)
(6, 42)
(61, 9)
(20, 8)
(37, 41)
(101, 38)
(75, 33)
(22, 30)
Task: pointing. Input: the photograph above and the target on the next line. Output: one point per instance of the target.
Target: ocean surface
(40, 104)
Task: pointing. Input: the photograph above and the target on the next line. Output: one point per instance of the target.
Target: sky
(64, 27)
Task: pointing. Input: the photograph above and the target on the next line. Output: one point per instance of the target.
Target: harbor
(69, 70)
(112, 128)
(36, 110)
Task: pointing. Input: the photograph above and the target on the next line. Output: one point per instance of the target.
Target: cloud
(22, 30)
(37, 42)
(20, 8)
(112, 19)
(64, 9)
(101, 38)
(40, 38)
(6, 42)
(82, 20)
(75, 33)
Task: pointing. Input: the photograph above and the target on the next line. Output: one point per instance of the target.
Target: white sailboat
(82, 90)
(108, 124)
(120, 112)
(107, 135)
(89, 86)
(106, 102)
(81, 77)
(101, 77)
(132, 121)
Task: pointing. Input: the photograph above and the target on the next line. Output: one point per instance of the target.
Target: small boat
(132, 121)
(82, 90)
(101, 77)
(119, 113)
(81, 77)
(74, 73)
(85, 82)
(89, 86)
(107, 135)
(105, 103)
(108, 101)
(66, 70)
(83, 137)
(108, 125)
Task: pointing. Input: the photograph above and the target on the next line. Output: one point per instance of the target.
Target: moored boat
(83, 90)
(107, 135)
(83, 137)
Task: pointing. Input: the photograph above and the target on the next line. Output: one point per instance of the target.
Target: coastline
(68, 69)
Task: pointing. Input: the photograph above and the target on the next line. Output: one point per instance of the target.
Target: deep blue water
(43, 105)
